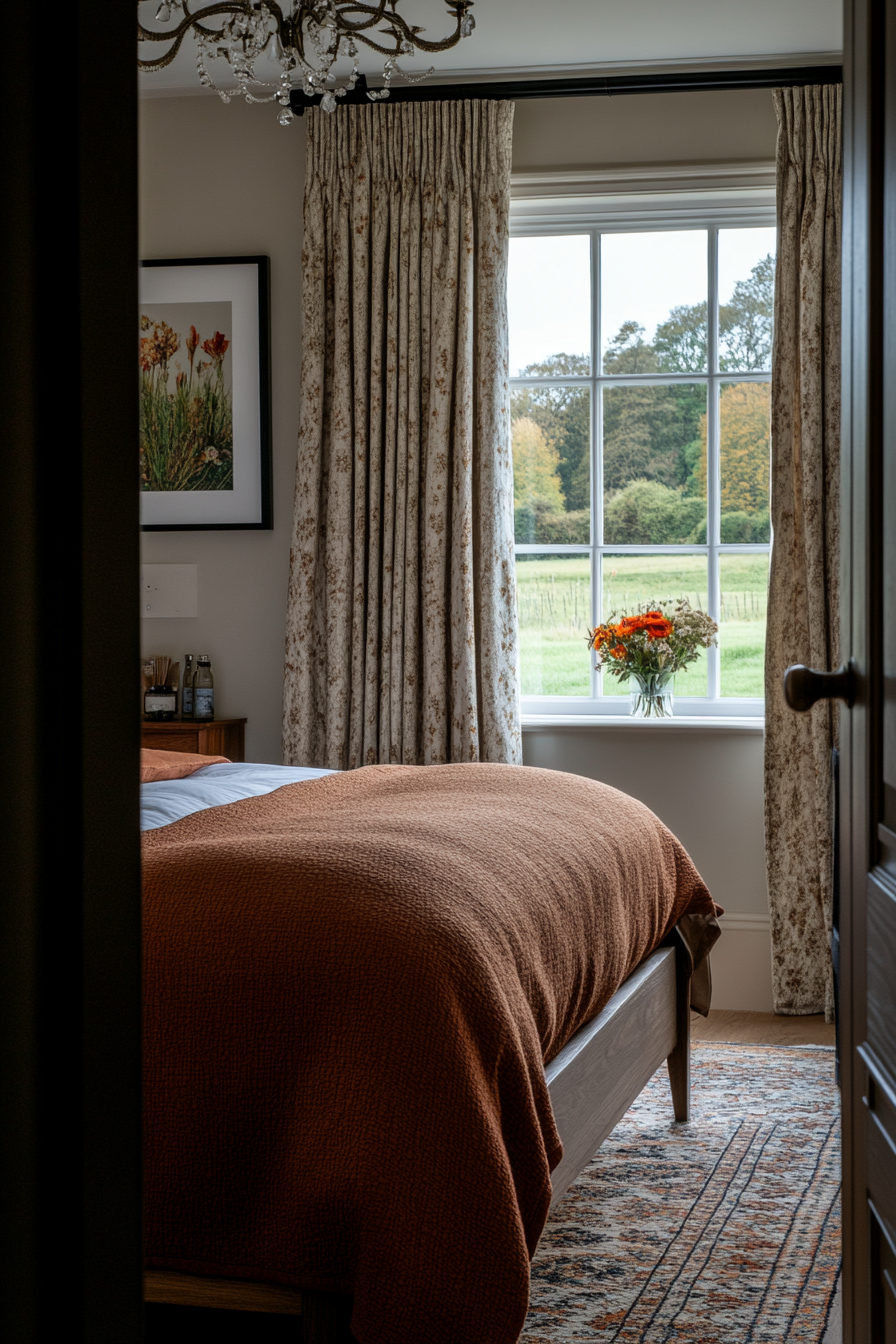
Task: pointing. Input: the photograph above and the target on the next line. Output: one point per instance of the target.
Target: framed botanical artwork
(205, 394)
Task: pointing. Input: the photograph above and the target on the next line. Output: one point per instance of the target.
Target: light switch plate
(168, 590)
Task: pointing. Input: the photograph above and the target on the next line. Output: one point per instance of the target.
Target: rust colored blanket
(351, 987)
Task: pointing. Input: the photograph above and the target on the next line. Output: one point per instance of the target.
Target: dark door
(868, 731)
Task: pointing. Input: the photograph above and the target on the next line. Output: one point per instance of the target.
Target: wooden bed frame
(592, 1083)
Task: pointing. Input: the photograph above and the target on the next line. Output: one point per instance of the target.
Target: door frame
(861, 604)
(70, 1031)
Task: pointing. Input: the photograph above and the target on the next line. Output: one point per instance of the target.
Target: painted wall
(222, 180)
(644, 128)
(219, 180)
(706, 785)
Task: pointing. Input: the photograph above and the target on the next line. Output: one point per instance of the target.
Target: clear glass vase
(652, 695)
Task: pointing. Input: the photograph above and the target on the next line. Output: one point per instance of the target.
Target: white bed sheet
(169, 800)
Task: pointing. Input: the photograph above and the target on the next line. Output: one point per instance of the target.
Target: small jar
(160, 703)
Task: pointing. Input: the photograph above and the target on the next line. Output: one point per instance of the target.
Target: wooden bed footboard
(593, 1081)
(325, 1317)
(599, 1073)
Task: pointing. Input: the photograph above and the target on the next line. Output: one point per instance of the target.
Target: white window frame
(710, 197)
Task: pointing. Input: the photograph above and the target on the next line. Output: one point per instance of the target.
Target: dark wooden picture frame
(240, 286)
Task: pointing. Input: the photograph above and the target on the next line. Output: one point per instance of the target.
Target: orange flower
(602, 635)
(653, 622)
(217, 347)
(191, 343)
(612, 637)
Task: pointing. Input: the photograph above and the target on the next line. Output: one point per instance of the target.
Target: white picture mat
(205, 283)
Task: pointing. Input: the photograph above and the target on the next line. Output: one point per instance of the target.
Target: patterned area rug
(724, 1230)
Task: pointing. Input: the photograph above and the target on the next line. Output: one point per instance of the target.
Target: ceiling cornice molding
(606, 69)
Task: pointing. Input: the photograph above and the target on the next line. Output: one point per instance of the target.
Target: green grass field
(553, 594)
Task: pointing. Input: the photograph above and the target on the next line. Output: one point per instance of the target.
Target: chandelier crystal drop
(305, 40)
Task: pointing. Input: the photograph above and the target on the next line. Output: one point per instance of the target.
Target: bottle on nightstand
(203, 691)
(186, 694)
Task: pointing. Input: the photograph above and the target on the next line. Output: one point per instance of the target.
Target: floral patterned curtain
(803, 607)
(401, 621)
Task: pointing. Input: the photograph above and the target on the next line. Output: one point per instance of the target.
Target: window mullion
(713, 478)
(597, 453)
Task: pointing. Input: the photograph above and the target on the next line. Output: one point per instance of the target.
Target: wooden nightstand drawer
(223, 737)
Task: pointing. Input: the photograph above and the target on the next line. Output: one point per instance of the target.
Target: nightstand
(221, 737)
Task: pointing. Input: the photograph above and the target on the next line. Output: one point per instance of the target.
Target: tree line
(654, 437)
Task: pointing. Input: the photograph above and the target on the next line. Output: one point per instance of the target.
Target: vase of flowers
(653, 696)
(649, 647)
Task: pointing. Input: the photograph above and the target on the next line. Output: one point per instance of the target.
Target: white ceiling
(532, 37)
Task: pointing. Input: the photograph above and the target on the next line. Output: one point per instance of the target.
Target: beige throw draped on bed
(401, 623)
(803, 613)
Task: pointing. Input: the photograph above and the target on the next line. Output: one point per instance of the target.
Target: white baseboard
(742, 964)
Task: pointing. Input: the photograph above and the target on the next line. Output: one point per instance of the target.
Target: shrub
(535, 522)
(738, 528)
(647, 513)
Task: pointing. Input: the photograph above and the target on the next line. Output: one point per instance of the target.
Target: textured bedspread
(352, 985)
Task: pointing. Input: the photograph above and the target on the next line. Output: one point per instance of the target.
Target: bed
(390, 1015)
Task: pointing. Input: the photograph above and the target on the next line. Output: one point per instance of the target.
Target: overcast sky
(644, 276)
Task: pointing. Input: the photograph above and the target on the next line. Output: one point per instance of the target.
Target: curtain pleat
(401, 618)
(803, 607)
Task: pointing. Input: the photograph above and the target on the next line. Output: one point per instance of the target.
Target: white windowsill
(717, 724)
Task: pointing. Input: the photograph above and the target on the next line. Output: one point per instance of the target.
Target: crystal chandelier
(301, 46)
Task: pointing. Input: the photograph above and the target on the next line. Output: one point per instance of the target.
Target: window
(640, 365)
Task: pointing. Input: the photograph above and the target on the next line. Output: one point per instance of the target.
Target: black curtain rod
(588, 86)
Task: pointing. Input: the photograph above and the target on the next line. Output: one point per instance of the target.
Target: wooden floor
(761, 1028)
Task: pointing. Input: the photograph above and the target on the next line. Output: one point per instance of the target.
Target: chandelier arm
(290, 28)
(245, 7)
(230, 7)
(357, 30)
(418, 42)
(376, 13)
(159, 62)
(192, 20)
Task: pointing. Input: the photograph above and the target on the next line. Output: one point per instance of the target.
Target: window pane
(746, 299)
(655, 465)
(549, 305)
(551, 435)
(744, 412)
(554, 602)
(653, 302)
(631, 581)
(744, 584)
